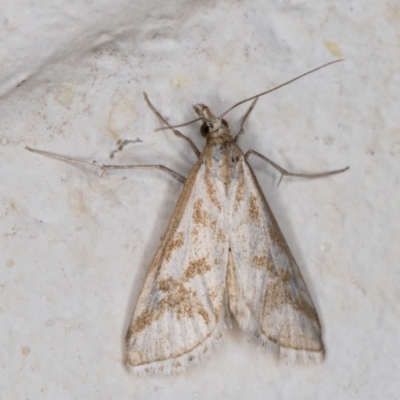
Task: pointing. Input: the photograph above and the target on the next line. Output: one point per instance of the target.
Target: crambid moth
(223, 256)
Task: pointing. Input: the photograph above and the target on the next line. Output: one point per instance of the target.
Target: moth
(223, 256)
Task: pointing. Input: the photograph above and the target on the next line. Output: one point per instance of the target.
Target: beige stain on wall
(122, 113)
(333, 48)
(76, 202)
(180, 81)
(65, 94)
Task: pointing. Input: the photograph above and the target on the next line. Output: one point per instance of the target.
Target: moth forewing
(181, 313)
(276, 305)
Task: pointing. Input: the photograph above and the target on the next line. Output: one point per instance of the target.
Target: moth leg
(177, 133)
(286, 173)
(241, 130)
(105, 168)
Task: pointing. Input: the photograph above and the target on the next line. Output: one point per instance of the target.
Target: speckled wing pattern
(268, 296)
(223, 254)
(181, 311)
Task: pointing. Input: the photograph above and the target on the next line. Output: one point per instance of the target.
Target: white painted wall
(75, 247)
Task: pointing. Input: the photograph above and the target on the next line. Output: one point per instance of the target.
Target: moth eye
(225, 123)
(204, 130)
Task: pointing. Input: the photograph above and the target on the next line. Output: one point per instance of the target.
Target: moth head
(212, 126)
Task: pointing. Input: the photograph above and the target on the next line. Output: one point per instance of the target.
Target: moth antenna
(279, 86)
(178, 126)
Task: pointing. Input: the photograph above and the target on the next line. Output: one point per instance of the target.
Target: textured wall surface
(75, 247)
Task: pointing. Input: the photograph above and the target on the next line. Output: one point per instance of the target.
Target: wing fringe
(179, 364)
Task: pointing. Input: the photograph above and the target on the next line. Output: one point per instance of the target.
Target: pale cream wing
(182, 308)
(267, 293)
